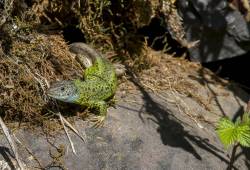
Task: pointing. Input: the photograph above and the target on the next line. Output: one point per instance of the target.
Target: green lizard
(99, 84)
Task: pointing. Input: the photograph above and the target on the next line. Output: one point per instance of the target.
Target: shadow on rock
(246, 152)
(172, 131)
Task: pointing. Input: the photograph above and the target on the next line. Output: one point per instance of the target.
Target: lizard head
(65, 91)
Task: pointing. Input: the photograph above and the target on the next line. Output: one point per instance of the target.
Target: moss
(26, 72)
(33, 52)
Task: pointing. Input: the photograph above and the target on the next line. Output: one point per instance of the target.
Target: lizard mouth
(50, 92)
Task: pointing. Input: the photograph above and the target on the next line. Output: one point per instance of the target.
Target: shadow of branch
(171, 130)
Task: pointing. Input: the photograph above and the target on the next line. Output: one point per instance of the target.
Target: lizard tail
(84, 49)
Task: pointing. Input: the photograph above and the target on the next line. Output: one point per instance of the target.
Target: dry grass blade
(12, 144)
(64, 127)
(63, 120)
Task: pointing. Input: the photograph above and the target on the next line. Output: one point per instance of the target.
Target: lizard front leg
(101, 107)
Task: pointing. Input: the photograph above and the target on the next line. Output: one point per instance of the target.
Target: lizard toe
(98, 121)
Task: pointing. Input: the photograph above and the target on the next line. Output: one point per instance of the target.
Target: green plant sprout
(231, 133)
(235, 134)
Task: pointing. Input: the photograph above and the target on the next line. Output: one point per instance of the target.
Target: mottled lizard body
(99, 84)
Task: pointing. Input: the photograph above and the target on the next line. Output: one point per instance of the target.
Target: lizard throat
(71, 99)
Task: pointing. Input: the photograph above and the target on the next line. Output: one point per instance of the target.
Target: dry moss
(26, 72)
(110, 25)
(177, 76)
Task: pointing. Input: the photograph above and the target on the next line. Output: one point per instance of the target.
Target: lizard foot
(98, 121)
(112, 102)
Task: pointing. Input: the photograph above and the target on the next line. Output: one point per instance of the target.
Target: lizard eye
(62, 88)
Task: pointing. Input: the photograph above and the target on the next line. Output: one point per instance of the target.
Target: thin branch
(11, 143)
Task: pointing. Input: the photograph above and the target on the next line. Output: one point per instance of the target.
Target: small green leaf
(238, 121)
(227, 132)
(246, 118)
(243, 132)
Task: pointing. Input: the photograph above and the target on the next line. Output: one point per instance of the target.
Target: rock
(145, 131)
(223, 32)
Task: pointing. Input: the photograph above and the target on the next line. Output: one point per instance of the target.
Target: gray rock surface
(146, 131)
(222, 31)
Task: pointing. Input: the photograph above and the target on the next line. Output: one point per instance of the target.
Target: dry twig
(64, 121)
(12, 144)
